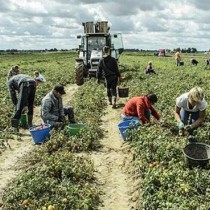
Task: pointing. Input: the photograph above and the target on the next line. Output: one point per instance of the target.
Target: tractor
(96, 36)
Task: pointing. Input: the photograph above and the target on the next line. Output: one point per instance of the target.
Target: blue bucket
(125, 125)
(40, 133)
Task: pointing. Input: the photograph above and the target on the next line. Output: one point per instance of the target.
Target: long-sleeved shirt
(108, 67)
(51, 108)
(14, 84)
(137, 106)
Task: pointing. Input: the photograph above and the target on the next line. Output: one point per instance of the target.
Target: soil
(113, 163)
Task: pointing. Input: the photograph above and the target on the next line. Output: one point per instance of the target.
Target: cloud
(35, 24)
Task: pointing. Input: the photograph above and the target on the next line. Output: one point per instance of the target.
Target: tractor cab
(95, 37)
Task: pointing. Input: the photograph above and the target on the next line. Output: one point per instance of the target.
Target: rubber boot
(72, 120)
(71, 117)
(114, 106)
(110, 100)
(30, 119)
(14, 125)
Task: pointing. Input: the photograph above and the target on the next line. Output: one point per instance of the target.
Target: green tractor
(95, 37)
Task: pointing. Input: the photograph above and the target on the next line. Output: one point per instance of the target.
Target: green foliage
(59, 178)
(62, 179)
(166, 181)
(89, 103)
(53, 175)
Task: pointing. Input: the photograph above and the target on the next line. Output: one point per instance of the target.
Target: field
(58, 176)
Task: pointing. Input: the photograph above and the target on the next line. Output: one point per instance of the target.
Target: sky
(144, 24)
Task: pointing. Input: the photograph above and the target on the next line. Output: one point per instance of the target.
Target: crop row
(167, 182)
(54, 176)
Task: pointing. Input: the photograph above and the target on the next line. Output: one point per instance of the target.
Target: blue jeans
(188, 117)
(147, 114)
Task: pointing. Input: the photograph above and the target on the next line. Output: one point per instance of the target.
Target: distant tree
(183, 50)
(193, 50)
(189, 50)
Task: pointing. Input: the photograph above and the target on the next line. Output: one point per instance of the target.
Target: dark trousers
(68, 111)
(25, 98)
(150, 71)
(111, 86)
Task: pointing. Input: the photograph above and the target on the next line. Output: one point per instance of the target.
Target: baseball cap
(60, 89)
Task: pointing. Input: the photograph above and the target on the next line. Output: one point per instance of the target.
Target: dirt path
(113, 162)
(9, 159)
(114, 167)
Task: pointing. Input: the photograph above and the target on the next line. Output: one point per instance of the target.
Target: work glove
(180, 124)
(188, 128)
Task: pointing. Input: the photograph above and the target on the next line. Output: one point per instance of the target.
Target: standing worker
(13, 71)
(26, 87)
(207, 62)
(190, 110)
(108, 67)
(178, 57)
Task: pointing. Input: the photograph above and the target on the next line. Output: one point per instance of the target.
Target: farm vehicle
(95, 37)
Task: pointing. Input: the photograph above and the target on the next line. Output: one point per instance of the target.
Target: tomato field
(56, 174)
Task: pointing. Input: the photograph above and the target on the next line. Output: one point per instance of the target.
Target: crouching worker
(149, 69)
(190, 110)
(140, 108)
(194, 62)
(25, 86)
(52, 110)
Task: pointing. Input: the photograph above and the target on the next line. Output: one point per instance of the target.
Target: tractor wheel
(79, 76)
